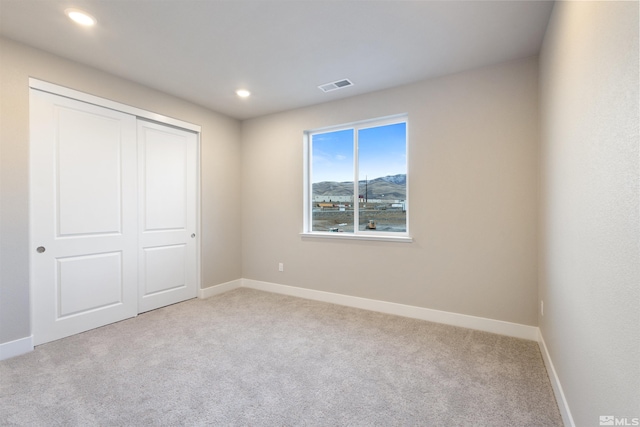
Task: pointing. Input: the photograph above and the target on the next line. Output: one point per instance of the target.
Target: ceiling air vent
(335, 85)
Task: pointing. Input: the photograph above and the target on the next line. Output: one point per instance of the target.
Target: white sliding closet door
(84, 218)
(168, 171)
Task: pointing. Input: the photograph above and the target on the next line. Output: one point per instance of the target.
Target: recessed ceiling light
(80, 17)
(243, 93)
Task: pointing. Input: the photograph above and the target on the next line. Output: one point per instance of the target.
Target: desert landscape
(381, 200)
(342, 221)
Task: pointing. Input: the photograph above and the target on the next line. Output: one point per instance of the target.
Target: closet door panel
(88, 173)
(83, 216)
(168, 200)
(165, 155)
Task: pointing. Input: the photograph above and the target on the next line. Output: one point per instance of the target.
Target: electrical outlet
(280, 266)
(542, 307)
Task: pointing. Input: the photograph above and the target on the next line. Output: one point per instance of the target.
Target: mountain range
(391, 187)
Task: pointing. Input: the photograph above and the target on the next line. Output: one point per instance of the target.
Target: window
(356, 180)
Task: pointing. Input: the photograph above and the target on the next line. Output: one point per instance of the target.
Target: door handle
(40, 249)
(193, 235)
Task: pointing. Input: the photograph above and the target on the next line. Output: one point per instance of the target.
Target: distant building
(349, 199)
(331, 199)
(325, 205)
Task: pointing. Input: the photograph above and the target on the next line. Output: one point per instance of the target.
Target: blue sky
(382, 152)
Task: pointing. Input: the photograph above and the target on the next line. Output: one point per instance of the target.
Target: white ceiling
(203, 50)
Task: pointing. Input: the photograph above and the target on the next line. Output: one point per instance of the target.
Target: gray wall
(590, 210)
(220, 166)
(473, 170)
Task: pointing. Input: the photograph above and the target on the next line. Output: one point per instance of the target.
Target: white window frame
(308, 191)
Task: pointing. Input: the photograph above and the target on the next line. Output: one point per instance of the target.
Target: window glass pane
(332, 181)
(382, 170)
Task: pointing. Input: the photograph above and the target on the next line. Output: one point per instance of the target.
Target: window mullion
(356, 184)
(308, 146)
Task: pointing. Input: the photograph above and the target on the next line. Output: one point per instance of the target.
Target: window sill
(349, 236)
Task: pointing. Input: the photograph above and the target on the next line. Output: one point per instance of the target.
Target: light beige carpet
(254, 358)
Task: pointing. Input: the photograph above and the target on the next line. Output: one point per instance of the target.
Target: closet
(113, 213)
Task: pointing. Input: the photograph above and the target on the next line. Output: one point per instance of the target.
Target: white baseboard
(16, 347)
(219, 289)
(455, 319)
(555, 383)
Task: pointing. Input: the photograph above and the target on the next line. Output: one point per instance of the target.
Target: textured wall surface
(220, 156)
(473, 159)
(590, 210)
